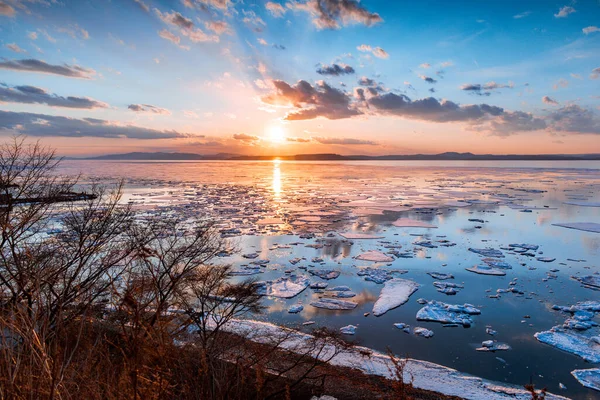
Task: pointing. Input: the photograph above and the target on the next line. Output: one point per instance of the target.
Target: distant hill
(163, 156)
(429, 157)
(160, 156)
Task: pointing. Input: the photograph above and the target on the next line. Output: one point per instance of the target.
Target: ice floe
(493, 263)
(438, 311)
(325, 273)
(334, 304)
(356, 236)
(582, 345)
(486, 270)
(583, 203)
(448, 288)
(285, 287)
(339, 292)
(440, 275)
(546, 259)
(403, 326)
(588, 377)
(488, 252)
(424, 332)
(319, 285)
(246, 270)
(296, 308)
(589, 281)
(348, 330)
(493, 345)
(394, 293)
(379, 275)
(375, 256)
(581, 226)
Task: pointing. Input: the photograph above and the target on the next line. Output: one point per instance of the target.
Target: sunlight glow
(276, 134)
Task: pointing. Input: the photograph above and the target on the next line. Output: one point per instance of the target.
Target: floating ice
(485, 270)
(403, 326)
(411, 223)
(285, 287)
(438, 311)
(325, 273)
(496, 263)
(588, 377)
(585, 346)
(440, 275)
(419, 331)
(394, 293)
(583, 203)
(581, 321)
(296, 308)
(348, 330)
(448, 288)
(581, 226)
(488, 252)
(525, 246)
(246, 271)
(490, 331)
(492, 345)
(591, 281)
(250, 255)
(377, 275)
(375, 256)
(592, 306)
(319, 285)
(356, 236)
(334, 304)
(259, 262)
(425, 243)
(545, 259)
(340, 292)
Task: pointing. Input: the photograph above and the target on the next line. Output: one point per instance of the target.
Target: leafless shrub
(110, 307)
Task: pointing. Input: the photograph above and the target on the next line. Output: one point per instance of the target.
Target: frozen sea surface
(294, 218)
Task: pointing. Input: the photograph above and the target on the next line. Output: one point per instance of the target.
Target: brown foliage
(113, 307)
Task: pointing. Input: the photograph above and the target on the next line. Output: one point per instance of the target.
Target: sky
(283, 77)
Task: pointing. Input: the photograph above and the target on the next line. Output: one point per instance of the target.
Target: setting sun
(276, 134)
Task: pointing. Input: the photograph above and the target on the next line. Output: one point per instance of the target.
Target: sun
(276, 134)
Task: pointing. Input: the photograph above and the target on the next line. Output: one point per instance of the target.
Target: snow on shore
(426, 375)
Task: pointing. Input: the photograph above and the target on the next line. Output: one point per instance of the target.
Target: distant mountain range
(163, 156)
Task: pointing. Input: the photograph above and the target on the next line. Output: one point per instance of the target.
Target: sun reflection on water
(276, 179)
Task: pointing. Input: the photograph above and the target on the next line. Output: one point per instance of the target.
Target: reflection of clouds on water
(591, 243)
(264, 248)
(336, 248)
(441, 256)
(543, 219)
(472, 231)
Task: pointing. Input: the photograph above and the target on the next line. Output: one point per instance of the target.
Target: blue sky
(377, 77)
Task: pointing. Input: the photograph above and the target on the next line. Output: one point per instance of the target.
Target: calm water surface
(367, 197)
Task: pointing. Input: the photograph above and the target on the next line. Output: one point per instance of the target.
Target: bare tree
(98, 303)
(51, 281)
